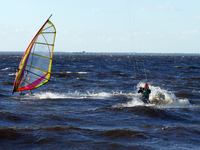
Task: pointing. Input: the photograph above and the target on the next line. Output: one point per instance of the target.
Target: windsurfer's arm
(140, 90)
(149, 91)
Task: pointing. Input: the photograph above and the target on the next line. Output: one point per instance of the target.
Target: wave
(158, 97)
(8, 83)
(15, 129)
(6, 68)
(77, 95)
(12, 74)
(6, 130)
(9, 134)
(70, 137)
(187, 67)
(195, 91)
(177, 66)
(18, 133)
(161, 96)
(8, 116)
(69, 72)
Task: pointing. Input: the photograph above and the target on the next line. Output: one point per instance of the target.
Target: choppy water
(92, 103)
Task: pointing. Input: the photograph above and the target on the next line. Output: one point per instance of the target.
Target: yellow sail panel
(35, 66)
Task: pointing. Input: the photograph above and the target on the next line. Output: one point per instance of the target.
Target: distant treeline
(84, 53)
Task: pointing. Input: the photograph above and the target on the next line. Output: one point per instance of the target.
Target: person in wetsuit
(145, 93)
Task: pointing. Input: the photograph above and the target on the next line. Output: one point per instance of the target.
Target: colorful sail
(35, 66)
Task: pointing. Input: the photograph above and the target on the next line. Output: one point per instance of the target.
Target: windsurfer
(145, 93)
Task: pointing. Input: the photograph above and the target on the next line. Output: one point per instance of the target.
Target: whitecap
(158, 97)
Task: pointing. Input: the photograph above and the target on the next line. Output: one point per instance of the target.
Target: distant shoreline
(101, 53)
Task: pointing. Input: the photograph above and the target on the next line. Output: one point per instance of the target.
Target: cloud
(19, 30)
(160, 6)
(151, 33)
(196, 18)
(191, 32)
(23, 0)
(96, 10)
(165, 18)
(143, 9)
(165, 6)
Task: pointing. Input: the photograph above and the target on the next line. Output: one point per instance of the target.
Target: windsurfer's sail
(35, 66)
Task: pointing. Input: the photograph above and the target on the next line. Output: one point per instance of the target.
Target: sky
(119, 26)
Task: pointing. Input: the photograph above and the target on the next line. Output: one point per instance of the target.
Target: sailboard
(35, 66)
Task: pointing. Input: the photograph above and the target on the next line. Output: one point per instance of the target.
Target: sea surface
(91, 103)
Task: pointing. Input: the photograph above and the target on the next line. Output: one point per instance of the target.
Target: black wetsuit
(145, 95)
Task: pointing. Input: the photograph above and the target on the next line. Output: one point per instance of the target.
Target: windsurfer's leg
(30, 92)
(13, 90)
(146, 100)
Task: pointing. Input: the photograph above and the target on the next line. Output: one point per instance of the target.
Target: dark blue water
(92, 102)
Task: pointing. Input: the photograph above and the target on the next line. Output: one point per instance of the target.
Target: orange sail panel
(35, 66)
